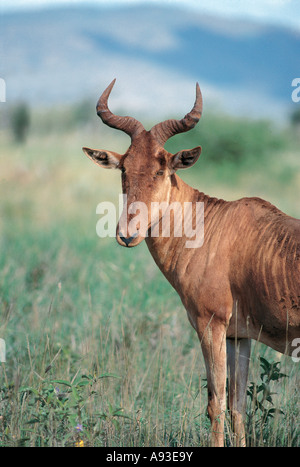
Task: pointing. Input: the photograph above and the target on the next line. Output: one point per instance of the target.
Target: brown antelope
(243, 283)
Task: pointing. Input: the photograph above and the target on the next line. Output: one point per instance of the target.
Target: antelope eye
(160, 172)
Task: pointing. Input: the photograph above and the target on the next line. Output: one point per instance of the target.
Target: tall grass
(99, 350)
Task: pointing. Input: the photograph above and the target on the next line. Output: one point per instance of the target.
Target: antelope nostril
(127, 240)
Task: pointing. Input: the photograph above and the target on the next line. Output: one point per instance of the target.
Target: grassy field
(99, 351)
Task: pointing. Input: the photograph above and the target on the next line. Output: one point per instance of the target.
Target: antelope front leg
(213, 343)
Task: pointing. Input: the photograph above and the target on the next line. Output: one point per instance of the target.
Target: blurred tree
(231, 139)
(295, 117)
(20, 121)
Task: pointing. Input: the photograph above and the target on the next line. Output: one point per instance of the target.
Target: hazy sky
(277, 11)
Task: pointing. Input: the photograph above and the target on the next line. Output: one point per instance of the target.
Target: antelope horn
(129, 125)
(164, 130)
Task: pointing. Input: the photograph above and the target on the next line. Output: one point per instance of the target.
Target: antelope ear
(106, 159)
(186, 158)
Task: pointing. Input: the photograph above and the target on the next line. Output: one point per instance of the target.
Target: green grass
(99, 349)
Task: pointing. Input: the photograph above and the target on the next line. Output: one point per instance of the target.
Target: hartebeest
(243, 283)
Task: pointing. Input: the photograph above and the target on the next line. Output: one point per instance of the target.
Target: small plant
(261, 408)
(60, 413)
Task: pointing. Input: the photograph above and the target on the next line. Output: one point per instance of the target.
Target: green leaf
(32, 420)
(29, 389)
(75, 394)
(61, 381)
(91, 378)
(83, 383)
(265, 364)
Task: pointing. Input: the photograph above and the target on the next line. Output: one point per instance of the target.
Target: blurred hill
(61, 55)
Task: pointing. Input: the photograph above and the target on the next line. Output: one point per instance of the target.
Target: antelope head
(147, 168)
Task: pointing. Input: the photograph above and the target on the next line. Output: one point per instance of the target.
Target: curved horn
(164, 130)
(129, 125)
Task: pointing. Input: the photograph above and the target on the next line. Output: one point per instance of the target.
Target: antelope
(243, 283)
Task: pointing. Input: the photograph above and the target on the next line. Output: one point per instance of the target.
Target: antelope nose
(127, 240)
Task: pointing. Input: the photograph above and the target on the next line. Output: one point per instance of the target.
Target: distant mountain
(156, 53)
